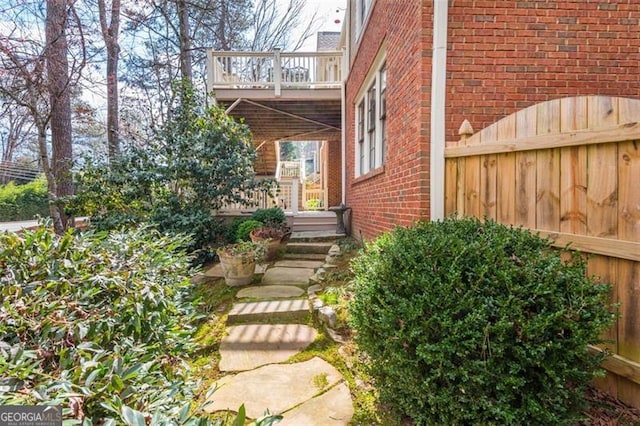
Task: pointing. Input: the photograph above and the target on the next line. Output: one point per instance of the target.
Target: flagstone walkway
(267, 325)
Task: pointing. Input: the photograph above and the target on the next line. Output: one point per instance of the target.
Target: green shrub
(97, 321)
(231, 230)
(245, 228)
(273, 216)
(198, 162)
(314, 203)
(470, 322)
(24, 202)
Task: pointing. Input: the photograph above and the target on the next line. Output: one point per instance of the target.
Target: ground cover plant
(99, 323)
(471, 322)
(108, 325)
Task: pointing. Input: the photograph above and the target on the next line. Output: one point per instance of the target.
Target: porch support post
(295, 190)
(277, 69)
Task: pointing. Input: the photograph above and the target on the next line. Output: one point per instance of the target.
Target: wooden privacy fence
(570, 169)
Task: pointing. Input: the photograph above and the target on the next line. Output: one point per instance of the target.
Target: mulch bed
(604, 410)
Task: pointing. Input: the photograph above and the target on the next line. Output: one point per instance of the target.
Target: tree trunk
(58, 81)
(185, 42)
(54, 209)
(110, 35)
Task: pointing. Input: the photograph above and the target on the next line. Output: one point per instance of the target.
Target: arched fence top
(581, 120)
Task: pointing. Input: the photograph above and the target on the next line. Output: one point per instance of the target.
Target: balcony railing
(273, 70)
(288, 169)
(285, 196)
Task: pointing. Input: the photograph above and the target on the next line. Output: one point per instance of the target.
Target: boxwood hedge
(472, 322)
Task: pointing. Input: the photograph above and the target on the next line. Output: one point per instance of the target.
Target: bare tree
(15, 125)
(274, 22)
(24, 83)
(35, 74)
(170, 37)
(110, 29)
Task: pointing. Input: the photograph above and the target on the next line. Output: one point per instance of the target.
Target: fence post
(277, 70)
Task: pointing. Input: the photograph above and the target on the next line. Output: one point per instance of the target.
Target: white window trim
(361, 23)
(363, 150)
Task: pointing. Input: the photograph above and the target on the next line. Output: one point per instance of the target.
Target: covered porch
(286, 96)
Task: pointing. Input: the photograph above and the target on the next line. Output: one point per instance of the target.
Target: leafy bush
(273, 216)
(470, 322)
(314, 203)
(24, 202)
(231, 230)
(245, 228)
(200, 161)
(98, 323)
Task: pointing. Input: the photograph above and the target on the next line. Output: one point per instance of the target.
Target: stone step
(249, 346)
(314, 223)
(287, 387)
(304, 256)
(314, 226)
(297, 263)
(309, 247)
(288, 276)
(270, 292)
(316, 236)
(287, 310)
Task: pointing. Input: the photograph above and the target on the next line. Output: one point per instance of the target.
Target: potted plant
(274, 232)
(274, 237)
(239, 260)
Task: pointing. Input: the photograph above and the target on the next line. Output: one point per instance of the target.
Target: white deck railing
(313, 199)
(288, 169)
(286, 197)
(277, 70)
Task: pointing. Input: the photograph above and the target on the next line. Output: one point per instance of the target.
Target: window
(371, 116)
(383, 111)
(363, 7)
(361, 137)
(371, 127)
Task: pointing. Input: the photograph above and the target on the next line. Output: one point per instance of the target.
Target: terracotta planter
(238, 269)
(273, 239)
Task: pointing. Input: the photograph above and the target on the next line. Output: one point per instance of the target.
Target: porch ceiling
(271, 120)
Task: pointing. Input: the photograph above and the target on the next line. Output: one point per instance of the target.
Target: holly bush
(199, 161)
(471, 322)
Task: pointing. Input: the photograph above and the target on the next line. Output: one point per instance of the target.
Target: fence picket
(569, 168)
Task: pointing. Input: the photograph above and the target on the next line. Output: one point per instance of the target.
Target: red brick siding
(398, 193)
(503, 56)
(507, 55)
(334, 168)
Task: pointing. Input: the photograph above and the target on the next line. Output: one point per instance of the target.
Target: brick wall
(334, 168)
(397, 193)
(503, 55)
(507, 55)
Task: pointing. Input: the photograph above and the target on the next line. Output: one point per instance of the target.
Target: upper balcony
(274, 75)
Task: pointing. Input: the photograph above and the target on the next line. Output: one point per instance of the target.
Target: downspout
(343, 135)
(344, 73)
(438, 96)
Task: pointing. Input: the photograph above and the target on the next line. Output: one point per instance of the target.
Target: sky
(326, 16)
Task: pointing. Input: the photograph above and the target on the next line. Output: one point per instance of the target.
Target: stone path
(266, 326)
